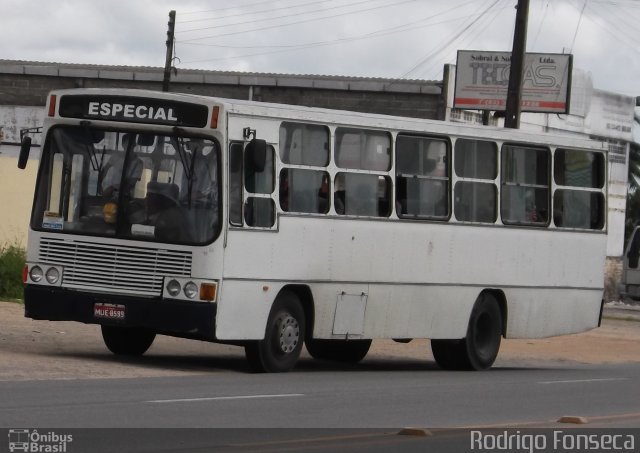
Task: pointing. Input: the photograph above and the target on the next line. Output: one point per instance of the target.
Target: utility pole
(169, 58)
(514, 93)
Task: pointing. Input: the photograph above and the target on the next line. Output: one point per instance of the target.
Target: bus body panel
(556, 311)
(420, 280)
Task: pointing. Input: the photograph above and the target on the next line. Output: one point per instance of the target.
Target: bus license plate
(108, 311)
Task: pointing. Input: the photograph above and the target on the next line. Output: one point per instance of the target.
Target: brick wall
(28, 83)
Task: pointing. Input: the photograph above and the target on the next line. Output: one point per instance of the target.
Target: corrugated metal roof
(151, 73)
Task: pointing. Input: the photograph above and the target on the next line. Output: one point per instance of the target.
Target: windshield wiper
(93, 158)
(178, 136)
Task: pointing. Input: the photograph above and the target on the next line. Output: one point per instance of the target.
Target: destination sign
(134, 110)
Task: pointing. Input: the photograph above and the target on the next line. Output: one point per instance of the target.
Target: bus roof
(350, 118)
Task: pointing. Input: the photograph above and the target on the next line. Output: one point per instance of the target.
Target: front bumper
(170, 317)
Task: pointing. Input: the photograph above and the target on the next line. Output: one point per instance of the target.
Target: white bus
(269, 226)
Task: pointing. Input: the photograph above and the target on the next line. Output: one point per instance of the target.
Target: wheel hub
(289, 333)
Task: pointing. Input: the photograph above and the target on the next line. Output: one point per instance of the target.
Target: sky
(409, 39)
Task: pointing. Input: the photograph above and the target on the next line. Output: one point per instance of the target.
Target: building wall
(16, 195)
(28, 83)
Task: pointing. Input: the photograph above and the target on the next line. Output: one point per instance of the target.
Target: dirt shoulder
(67, 350)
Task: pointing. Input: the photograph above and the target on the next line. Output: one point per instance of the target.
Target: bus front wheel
(479, 349)
(347, 351)
(127, 340)
(280, 349)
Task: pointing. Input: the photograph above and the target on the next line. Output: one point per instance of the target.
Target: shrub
(12, 259)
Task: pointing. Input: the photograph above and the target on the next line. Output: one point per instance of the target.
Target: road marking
(578, 381)
(225, 398)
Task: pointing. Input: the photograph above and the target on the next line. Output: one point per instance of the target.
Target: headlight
(52, 275)
(36, 273)
(191, 290)
(173, 288)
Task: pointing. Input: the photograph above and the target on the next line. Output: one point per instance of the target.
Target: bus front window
(143, 186)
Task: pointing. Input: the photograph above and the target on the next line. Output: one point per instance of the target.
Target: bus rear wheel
(127, 340)
(280, 349)
(479, 349)
(347, 351)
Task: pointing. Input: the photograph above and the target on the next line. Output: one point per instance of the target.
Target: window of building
(422, 177)
(524, 197)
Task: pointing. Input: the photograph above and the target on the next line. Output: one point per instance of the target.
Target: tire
(347, 351)
(284, 335)
(479, 349)
(127, 340)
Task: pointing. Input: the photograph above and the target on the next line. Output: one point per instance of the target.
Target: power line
(263, 19)
(225, 9)
(544, 16)
(578, 26)
(614, 30)
(465, 42)
(254, 12)
(375, 34)
(302, 21)
(432, 54)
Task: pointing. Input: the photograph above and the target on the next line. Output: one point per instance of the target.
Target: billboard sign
(482, 81)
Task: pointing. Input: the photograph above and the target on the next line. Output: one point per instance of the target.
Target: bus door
(252, 180)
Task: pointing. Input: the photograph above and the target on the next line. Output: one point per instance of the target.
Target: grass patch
(12, 259)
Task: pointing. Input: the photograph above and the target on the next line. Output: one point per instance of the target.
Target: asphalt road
(320, 406)
(367, 397)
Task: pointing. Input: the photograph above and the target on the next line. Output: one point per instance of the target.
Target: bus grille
(114, 268)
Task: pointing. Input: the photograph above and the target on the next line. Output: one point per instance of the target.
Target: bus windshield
(145, 186)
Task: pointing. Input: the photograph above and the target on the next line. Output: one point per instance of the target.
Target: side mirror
(25, 148)
(256, 155)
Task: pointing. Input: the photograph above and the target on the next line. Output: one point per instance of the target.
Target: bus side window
(259, 209)
(304, 190)
(525, 185)
(579, 200)
(235, 183)
(304, 144)
(363, 149)
(358, 193)
(422, 177)
(475, 194)
(362, 194)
